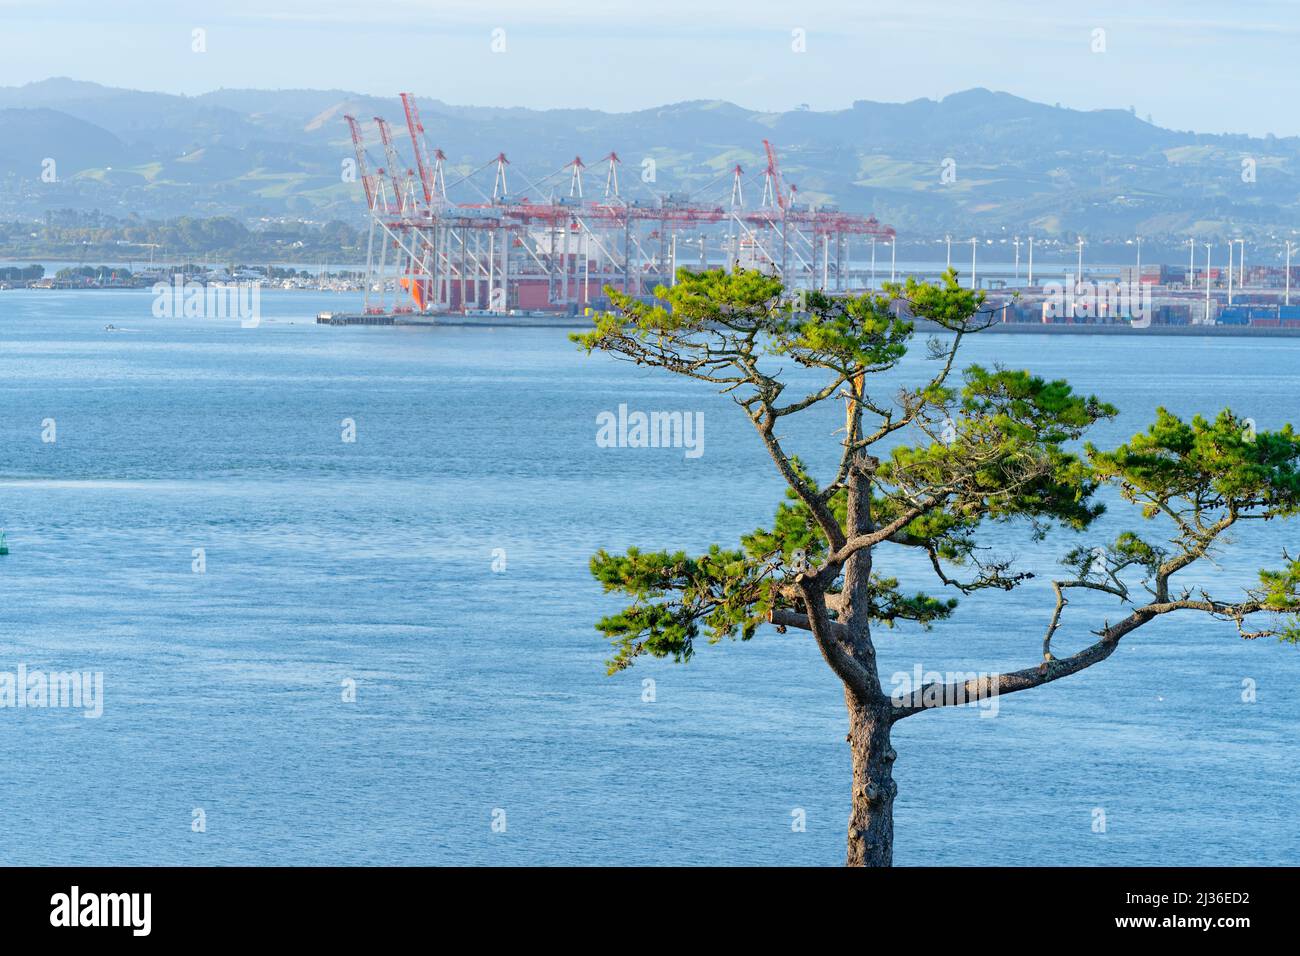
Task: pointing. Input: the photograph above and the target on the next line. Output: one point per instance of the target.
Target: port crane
(550, 245)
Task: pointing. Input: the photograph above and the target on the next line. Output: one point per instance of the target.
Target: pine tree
(964, 449)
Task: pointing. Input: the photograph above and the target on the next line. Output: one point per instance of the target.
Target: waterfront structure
(493, 241)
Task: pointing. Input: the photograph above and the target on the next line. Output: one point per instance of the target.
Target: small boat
(4, 547)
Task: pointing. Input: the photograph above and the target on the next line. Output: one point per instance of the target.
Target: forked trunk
(871, 821)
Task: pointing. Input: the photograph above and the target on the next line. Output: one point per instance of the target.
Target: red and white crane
(390, 156)
(534, 247)
(432, 182)
(773, 190)
(363, 172)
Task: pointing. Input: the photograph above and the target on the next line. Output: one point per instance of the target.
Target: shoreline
(1001, 328)
(584, 322)
(1063, 328)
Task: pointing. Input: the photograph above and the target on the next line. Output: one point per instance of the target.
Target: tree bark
(871, 820)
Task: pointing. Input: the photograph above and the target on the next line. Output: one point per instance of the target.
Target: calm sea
(480, 694)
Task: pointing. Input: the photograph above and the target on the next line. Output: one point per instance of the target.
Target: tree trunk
(871, 821)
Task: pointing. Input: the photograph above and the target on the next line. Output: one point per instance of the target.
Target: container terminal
(492, 242)
(493, 247)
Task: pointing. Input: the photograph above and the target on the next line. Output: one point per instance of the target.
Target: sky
(1209, 67)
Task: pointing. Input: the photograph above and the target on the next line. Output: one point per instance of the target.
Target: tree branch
(935, 695)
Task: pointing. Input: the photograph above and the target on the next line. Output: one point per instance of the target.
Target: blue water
(477, 690)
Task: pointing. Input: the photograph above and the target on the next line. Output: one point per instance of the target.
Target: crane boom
(390, 155)
(359, 147)
(428, 180)
(774, 175)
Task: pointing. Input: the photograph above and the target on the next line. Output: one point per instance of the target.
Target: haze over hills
(1020, 166)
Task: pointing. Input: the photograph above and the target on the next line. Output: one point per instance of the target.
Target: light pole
(1207, 283)
(1031, 260)
(893, 255)
(873, 263)
(1017, 244)
(1191, 263)
(1230, 242)
(1288, 272)
(973, 240)
(1139, 263)
(1241, 265)
(948, 239)
(1080, 276)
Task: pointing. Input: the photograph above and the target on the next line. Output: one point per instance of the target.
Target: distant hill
(1019, 166)
(29, 136)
